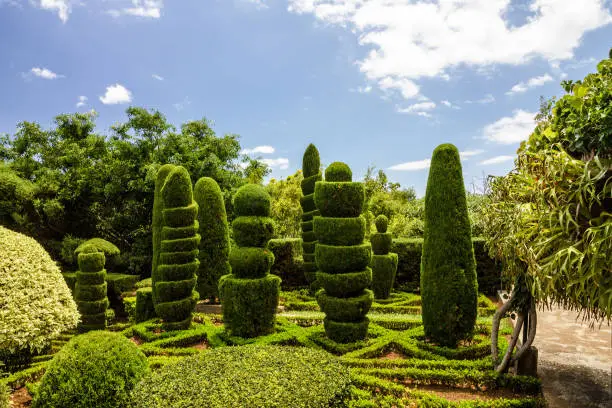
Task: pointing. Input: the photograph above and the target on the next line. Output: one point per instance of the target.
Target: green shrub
(340, 231)
(5, 395)
(345, 284)
(288, 262)
(145, 309)
(384, 264)
(90, 296)
(339, 199)
(338, 171)
(311, 164)
(37, 305)
(342, 259)
(214, 242)
(97, 369)
(381, 242)
(175, 305)
(248, 376)
(253, 231)
(448, 280)
(67, 251)
(250, 295)
(382, 223)
(109, 249)
(489, 270)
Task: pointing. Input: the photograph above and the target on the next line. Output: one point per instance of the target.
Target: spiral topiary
(384, 264)
(90, 289)
(342, 257)
(449, 288)
(249, 294)
(214, 232)
(311, 164)
(175, 297)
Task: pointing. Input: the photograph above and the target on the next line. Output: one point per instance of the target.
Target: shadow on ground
(571, 386)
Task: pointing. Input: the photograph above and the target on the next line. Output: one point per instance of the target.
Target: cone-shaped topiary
(90, 289)
(384, 264)
(214, 232)
(341, 255)
(249, 294)
(175, 297)
(156, 224)
(311, 164)
(449, 288)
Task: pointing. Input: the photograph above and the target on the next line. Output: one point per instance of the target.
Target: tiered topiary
(342, 256)
(214, 232)
(249, 294)
(175, 297)
(384, 264)
(90, 289)
(449, 288)
(311, 164)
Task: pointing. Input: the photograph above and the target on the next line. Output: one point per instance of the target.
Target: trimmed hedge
(248, 376)
(252, 231)
(98, 369)
(249, 295)
(449, 288)
(311, 164)
(214, 237)
(346, 332)
(340, 231)
(345, 284)
(108, 248)
(145, 309)
(90, 295)
(342, 259)
(174, 293)
(338, 171)
(384, 264)
(339, 199)
(288, 262)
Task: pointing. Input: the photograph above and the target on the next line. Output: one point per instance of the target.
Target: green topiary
(381, 222)
(145, 309)
(311, 163)
(36, 304)
(97, 369)
(338, 171)
(214, 232)
(343, 259)
(448, 279)
(174, 295)
(108, 248)
(248, 376)
(249, 295)
(89, 292)
(311, 169)
(384, 264)
(288, 262)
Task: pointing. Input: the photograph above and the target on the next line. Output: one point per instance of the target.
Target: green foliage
(288, 262)
(448, 280)
(311, 163)
(175, 296)
(248, 376)
(251, 262)
(253, 231)
(109, 249)
(345, 284)
(69, 245)
(342, 259)
(98, 369)
(338, 171)
(381, 242)
(340, 231)
(145, 309)
(252, 199)
(16, 197)
(285, 206)
(339, 199)
(37, 305)
(5, 395)
(382, 223)
(384, 268)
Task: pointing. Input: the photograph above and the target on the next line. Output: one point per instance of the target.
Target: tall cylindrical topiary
(156, 224)
(449, 288)
(384, 264)
(90, 289)
(178, 259)
(214, 232)
(311, 164)
(342, 256)
(249, 294)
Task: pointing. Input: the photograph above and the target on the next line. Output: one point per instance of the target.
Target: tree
(285, 208)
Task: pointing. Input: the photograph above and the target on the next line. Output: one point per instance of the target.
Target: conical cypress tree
(449, 288)
(214, 232)
(311, 165)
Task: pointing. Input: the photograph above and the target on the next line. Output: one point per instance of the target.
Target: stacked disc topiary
(249, 294)
(175, 297)
(90, 289)
(214, 232)
(384, 264)
(311, 164)
(342, 256)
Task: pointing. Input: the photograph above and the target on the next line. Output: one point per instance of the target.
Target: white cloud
(44, 73)
(488, 98)
(531, 83)
(406, 87)
(259, 149)
(469, 153)
(158, 77)
(412, 166)
(259, 4)
(420, 109)
(140, 8)
(116, 94)
(411, 40)
(449, 104)
(179, 106)
(497, 159)
(62, 7)
(362, 89)
(282, 163)
(82, 101)
(511, 129)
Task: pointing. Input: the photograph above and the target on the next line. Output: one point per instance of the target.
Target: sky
(369, 82)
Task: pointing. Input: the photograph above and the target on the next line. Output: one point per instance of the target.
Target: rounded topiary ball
(252, 199)
(382, 222)
(338, 171)
(97, 369)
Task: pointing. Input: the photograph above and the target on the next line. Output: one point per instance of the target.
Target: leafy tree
(286, 209)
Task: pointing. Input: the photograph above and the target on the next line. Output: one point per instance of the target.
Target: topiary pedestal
(384, 264)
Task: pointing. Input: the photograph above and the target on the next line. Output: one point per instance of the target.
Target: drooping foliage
(449, 287)
(214, 242)
(249, 294)
(384, 264)
(341, 256)
(550, 218)
(90, 289)
(311, 165)
(175, 295)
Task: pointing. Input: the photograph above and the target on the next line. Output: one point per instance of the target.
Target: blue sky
(369, 82)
